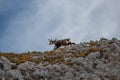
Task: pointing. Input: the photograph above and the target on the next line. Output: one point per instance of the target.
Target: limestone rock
(100, 62)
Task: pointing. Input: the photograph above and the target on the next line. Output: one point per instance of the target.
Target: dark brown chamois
(59, 43)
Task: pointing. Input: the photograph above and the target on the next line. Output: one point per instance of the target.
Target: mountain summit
(93, 60)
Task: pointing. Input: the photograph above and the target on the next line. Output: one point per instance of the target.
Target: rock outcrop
(94, 60)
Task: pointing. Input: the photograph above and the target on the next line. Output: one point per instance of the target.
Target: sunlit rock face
(94, 60)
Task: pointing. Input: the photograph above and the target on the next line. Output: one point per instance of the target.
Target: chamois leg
(56, 46)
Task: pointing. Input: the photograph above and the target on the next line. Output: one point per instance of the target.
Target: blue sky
(26, 25)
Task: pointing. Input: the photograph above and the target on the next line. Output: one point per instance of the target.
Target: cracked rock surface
(94, 60)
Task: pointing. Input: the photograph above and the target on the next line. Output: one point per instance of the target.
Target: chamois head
(52, 41)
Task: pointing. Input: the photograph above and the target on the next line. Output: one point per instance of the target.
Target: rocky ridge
(93, 60)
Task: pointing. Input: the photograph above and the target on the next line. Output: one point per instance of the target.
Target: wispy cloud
(80, 20)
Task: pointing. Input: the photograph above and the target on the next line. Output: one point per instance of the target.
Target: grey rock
(14, 74)
(78, 61)
(5, 64)
(4, 59)
(2, 74)
(26, 65)
(93, 55)
(104, 64)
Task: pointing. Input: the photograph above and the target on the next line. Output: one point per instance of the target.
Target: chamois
(59, 43)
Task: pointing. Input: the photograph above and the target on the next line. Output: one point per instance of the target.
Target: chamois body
(59, 43)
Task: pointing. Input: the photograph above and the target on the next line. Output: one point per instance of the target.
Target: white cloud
(80, 20)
